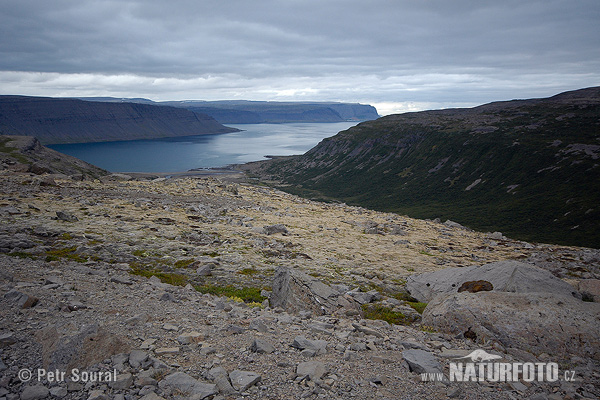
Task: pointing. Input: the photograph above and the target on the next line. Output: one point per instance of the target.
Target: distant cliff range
(257, 112)
(59, 120)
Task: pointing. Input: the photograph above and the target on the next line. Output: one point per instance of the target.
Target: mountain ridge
(526, 167)
(256, 112)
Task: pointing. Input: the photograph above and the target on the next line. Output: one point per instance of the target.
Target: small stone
(170, 327)
(151, 396)
(262, 346)
(313, 369)
(242, 380)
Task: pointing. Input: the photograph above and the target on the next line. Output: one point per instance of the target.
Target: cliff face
(75, 121)
(528, 168)
(254, 112)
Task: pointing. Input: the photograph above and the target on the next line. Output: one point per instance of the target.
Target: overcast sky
(398, 55)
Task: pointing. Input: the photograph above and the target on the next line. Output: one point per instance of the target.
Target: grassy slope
(421, 164)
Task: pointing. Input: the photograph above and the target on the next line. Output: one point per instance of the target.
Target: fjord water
(252, 143)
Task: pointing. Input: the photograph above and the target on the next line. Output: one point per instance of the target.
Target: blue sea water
(253, 143)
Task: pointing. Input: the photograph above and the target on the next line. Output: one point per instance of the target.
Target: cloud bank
(398, 55)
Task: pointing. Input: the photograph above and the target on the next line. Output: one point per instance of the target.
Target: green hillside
(528, 168)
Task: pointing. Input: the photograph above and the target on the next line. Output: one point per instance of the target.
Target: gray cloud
(424, 53)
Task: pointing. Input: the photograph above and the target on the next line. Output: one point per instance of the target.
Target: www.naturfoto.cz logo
(480, 366)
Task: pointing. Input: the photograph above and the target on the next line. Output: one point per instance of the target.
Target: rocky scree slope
(54, 120)
(529, 168)
(162, 281)
(26, 154)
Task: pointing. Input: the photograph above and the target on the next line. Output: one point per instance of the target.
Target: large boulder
(295, 291)
(560, 325)
(504, 276)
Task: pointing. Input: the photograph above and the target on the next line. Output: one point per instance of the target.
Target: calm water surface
(253, 143)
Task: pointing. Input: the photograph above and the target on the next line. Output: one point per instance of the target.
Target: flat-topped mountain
(525, 167)
(256, 112)
(54, 120)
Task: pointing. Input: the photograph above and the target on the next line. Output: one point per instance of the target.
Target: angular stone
(122, 381)
(273, 229)
(313, 369)
(258, 325)
(262, 346)
(421, 361)
(367, 331)
(188, 386)
(58, 392)
(65, 216)
(23, 300)
(137, 357)
(317, 346)
(242, 380)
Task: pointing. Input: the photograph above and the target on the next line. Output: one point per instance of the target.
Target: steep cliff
(54, 120)
(529, 168)
(253, 112)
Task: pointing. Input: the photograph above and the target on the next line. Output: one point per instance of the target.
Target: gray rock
(220, 377)
(22, 300)
(35, 392)
(188, 385)
(367, 331)
(242, 380)
(312, 369)
(534, 322)
(316, 346)
(421, 361)
(258, 325)
(205, 270)
(505, 276)
(65, 216)
(137, 357)
(295, 291)
(122, 381)
(262, 346)
(273, 229)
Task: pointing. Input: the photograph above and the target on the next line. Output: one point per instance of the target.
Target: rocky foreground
(201, 288)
